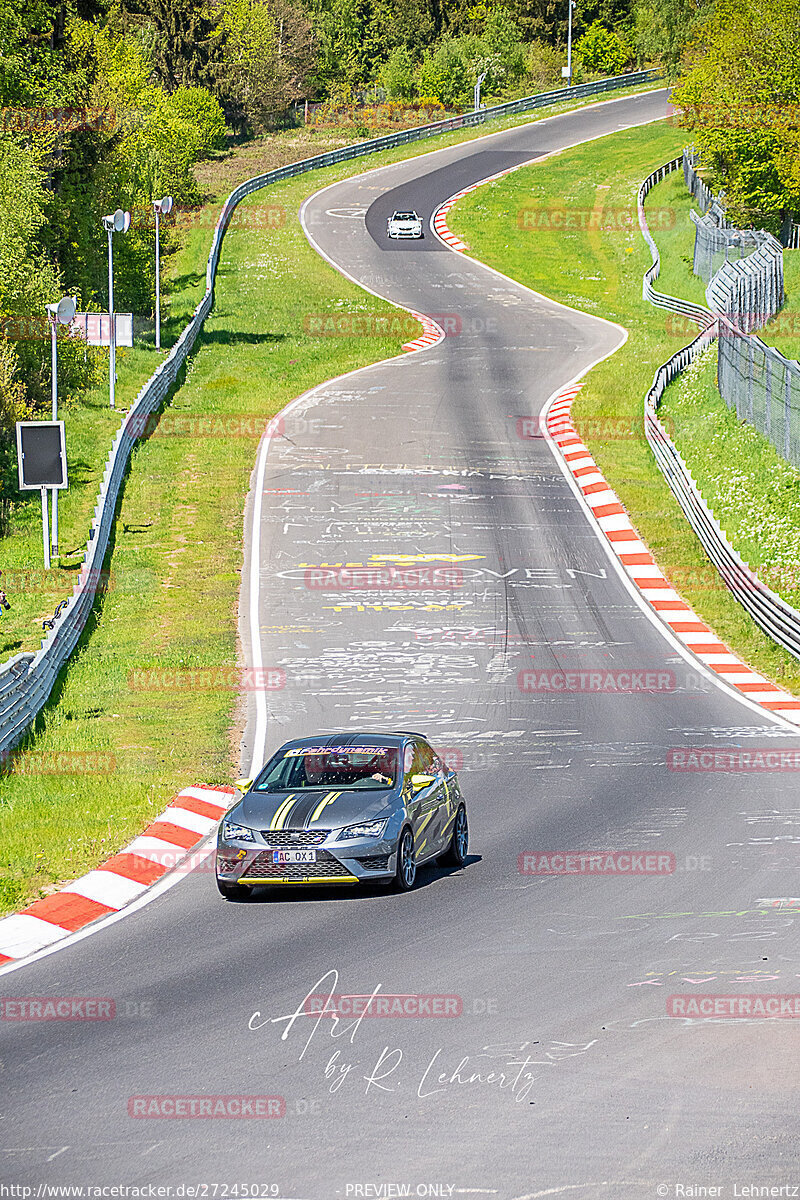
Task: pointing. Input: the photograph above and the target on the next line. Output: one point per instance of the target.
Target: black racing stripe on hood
(303, 810)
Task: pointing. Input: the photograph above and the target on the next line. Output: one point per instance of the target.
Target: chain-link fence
(763, 387)
(699, 189)
(743, 268)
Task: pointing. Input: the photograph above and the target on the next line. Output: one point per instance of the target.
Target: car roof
(348, 738)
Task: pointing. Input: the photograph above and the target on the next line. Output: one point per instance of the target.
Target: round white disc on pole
(65, 310)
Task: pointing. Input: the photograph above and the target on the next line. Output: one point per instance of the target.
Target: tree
(266, 58)
(740, 95)
(603, 50)
(182, 46)
(662, 28)
(449, 71)
(397, 75)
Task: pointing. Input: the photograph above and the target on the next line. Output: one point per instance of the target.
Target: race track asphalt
(563, 1072)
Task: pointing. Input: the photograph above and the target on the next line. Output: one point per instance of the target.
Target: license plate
(294, 856)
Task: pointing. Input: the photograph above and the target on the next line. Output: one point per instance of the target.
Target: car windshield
(342, 767)
(405, 217)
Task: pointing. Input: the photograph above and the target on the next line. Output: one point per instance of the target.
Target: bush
(543, 65)
(603, 50)
(203, 117)
(397, 75)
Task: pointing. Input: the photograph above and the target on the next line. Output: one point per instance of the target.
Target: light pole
(118, 222)
(159, 206)
(570, 5)
(477, 96)
(58, 314)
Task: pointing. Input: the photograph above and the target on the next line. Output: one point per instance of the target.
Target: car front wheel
(406, 870)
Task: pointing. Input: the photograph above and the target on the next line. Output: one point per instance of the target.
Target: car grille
(376, 862)
(283, 837)
(326, 865)
(226, 865)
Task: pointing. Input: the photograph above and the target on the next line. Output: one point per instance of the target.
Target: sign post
(59, 314)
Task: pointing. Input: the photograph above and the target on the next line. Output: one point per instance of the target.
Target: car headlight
(365, 829)
(231, 832)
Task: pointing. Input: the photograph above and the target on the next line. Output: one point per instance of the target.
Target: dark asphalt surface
(563, 1074)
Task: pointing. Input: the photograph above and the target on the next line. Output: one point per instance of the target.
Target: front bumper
(405, 233)
(357, 860)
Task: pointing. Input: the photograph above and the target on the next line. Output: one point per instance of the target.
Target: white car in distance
(404, 225)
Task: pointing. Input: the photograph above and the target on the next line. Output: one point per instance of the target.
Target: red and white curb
(642, 569)
(440, 226)
(164, 845)
(440, 221)
(431, 334)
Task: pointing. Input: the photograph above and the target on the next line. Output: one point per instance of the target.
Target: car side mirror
(421, 781)
(243, 785)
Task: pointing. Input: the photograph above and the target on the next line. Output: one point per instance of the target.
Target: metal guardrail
(777, 618)
(27, 680)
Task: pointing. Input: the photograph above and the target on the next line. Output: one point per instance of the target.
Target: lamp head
(63, 312)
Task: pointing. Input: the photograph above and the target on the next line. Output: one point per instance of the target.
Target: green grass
(754, 493)
(177, 554)
(599, 270)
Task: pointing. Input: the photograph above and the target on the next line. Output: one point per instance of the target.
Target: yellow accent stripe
(423, 823)
(277, 820)
(326, 800)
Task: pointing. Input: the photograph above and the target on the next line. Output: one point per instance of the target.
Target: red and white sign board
(95, 328)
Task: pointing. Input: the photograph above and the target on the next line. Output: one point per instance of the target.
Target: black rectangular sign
(41, 454)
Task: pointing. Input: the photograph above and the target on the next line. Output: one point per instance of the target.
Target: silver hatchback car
(347, 808)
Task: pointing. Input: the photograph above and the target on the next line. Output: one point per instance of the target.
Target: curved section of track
(561, 1066)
